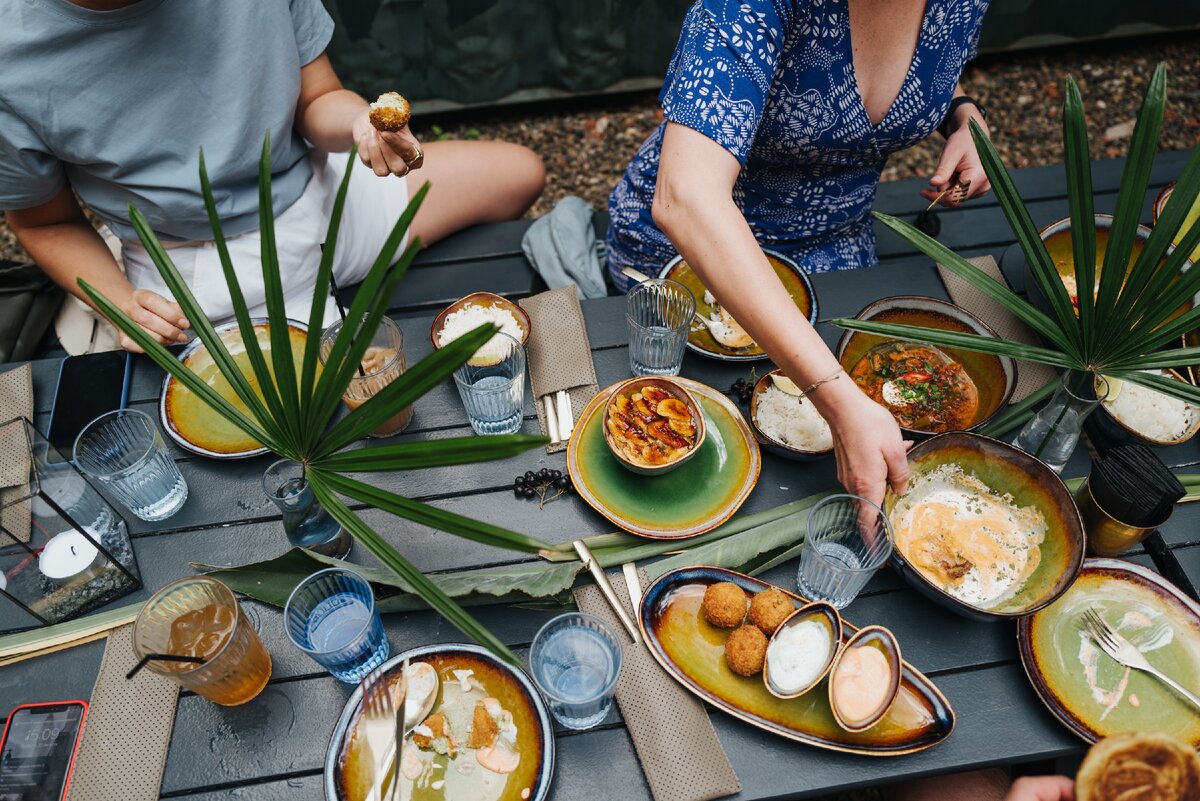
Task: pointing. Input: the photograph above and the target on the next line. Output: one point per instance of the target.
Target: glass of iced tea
(198, 616)
(382, 364)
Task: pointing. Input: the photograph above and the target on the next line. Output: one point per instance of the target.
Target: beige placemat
(16, 400)
(675, 741)
(559, 354)
(1030, 376)
(128, 729)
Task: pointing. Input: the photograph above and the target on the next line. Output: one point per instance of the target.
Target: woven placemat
(128, 729)
(16, 400)
(680, 754)
(559, 353)
(1030, 376)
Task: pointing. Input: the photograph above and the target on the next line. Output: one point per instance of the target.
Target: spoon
(724, 333)
(423, 683)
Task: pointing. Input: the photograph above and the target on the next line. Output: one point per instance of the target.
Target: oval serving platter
(190, 422)
(794, 279)
(1089, 692)
(692, 651)
(496, 677)
(667, 506)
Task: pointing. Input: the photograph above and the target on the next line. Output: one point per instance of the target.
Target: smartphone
(37, 750)
(88, 386)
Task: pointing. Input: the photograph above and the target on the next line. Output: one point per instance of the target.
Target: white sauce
(797, 655)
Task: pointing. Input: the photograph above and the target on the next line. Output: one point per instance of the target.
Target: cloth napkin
(1030, 376)
(563, 249)
(680, 754)
(558, 353)
(16, 400)
(128, 729)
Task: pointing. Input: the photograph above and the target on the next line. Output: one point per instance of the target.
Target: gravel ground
(586, 143)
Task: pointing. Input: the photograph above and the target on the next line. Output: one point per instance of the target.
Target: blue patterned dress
(772, 81)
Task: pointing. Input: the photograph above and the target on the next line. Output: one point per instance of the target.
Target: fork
(1125, 652)
(379, 727)
(956, 189)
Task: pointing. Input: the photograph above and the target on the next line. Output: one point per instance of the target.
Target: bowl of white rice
(466, 314)
(1132, 412)
(786, 424)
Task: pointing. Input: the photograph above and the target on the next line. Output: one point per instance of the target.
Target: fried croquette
(434, 734)
(769, 608)
(483, 728)
(390, 112)
(724, 604)
(746, 650)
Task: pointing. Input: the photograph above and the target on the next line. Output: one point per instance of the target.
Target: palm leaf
(1174, 289)
(420, 584)
(415, 382)
(431, 453)
(994, 289)
(1083, 217)
(427, 515)
(1168, 386)
(954, 339)
(281, 342)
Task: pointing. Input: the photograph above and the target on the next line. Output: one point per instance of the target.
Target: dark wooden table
(274, 747)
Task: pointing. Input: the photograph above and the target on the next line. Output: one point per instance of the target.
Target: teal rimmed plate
(1089, 692)
(692, 651)
(668, 506)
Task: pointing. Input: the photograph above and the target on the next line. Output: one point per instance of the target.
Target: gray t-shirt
(119, 103)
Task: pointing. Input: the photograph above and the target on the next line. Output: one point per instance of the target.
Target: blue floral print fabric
(772, 82)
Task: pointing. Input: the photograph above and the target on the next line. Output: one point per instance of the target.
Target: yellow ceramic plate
(190, 422)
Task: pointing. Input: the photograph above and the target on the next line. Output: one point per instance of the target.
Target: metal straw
(342, 311)
(165, 658)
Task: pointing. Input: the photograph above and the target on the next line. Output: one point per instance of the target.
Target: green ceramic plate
(190, 422)
(794, 279)
(668, 506)
(692, 651)
(1092, 694)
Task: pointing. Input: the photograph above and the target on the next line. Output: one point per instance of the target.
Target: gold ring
(420, 155)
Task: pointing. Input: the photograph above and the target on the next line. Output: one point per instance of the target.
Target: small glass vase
(305, 521)
(1054, 432)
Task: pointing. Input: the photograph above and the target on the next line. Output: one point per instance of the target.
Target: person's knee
(529, 176)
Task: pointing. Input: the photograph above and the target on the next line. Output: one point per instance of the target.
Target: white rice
(1152, 414)
(470, 317)
(793, 421)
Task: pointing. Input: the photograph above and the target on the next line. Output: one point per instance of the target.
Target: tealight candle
(69, 556)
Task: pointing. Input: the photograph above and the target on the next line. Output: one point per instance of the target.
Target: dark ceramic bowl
(1120, 432)
(1007, 470)
(766, 440)
(995, 376)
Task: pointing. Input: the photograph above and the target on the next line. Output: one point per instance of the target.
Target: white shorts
(373, 204)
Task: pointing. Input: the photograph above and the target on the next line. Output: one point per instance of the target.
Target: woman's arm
(959, 155)
(66, 246)
(693, 206)
(332, 118)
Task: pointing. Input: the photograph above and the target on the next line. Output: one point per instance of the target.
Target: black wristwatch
(944, 128)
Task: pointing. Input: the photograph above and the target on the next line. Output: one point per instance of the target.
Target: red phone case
(78, 736)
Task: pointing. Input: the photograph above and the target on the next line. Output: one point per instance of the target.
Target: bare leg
(473, 183)
(976, 785)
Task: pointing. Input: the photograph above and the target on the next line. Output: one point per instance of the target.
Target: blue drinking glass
(332, 617)
(575, 660)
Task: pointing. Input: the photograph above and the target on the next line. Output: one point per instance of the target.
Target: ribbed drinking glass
(659, 312)
(332, 617)
(124, 451)
(849, 538)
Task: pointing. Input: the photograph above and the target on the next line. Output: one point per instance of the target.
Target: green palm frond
(1135, 310)
(291, 411)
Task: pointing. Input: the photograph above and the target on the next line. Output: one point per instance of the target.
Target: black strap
(944, 128)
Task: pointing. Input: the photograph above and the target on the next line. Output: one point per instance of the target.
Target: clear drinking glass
(199, 616)
(382, 364)
(125, 452)
(332, 617)
(494, 392)
(1054, 432)
(659, 312)
(305, 521)
(575, 660)
(849, 538)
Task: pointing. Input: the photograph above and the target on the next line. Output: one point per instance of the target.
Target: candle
(71, 555)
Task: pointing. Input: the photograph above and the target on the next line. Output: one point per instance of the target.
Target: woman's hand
(870, 450)
(959, 156)
(385, 152)
(1042, 788)
(159, 317)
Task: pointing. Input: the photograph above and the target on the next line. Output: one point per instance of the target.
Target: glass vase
(306, 523)
(1054, 431)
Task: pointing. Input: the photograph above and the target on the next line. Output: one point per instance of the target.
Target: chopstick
(566, 417)
(551, 420)
(606, 589)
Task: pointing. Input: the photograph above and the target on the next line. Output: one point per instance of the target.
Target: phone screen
(88, 386)
(35, 757)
